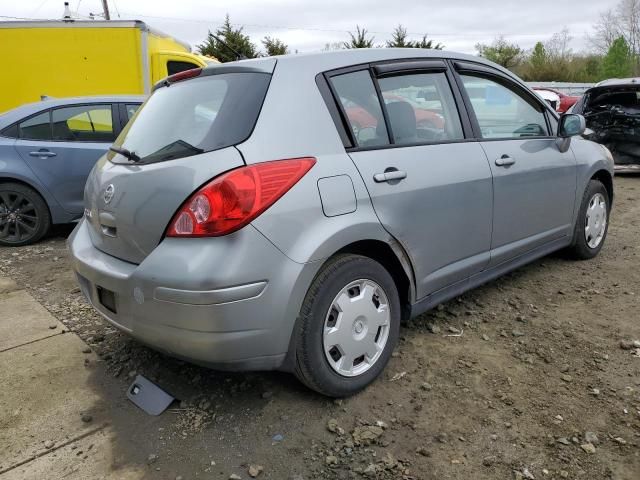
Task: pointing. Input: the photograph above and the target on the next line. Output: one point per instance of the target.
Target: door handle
(505, 161)
(42, 154)
(389, 175)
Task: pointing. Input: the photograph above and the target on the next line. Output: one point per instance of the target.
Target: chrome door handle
(505, 161)
(389, 176)
(42, 153)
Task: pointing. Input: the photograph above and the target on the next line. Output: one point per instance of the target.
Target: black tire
(311, 364)
(33, 219)
(579, 248)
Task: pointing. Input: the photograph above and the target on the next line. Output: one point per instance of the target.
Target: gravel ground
(534, 375)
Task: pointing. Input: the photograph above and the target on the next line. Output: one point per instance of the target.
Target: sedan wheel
(24, 217)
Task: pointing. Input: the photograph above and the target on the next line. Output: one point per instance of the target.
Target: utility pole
(105, 9)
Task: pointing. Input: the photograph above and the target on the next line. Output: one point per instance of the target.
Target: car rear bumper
(228, 302)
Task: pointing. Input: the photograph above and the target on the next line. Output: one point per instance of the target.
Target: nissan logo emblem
(108, 193)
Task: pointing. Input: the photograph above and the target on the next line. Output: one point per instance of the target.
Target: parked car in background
(565, 101)
(69, 58)
(249, 239)
(612, 113)
(553, 99)
(47, 150)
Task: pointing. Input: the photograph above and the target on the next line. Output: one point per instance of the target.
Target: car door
(62, 145)
(534, 182)
(430, 185)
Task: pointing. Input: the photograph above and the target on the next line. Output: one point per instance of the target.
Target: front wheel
(348, 326)
(592, 223)
(24, 216)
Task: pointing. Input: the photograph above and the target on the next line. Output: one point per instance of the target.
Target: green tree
(399, 38)
(359, 40)
(275, 46)
(617, 63)
(233, 37)
(424, 43)
(501, 52)
(538, 59)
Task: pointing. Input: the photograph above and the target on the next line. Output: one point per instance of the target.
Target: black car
(612, 112)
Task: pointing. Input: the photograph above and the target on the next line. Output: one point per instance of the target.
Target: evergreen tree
(617, 63)
(424, 43)
(234, 38)
(274, 46)
(359, 40)
(399, 38)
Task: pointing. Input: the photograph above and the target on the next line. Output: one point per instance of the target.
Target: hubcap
(18, 217)
(356, 328)
(596, 221)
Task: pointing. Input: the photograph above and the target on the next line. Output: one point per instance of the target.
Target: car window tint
(131, 108)
(176, 66)
(421, 108)
(37, 127)
(11, 131)
(359, 100)
(84, 123)
(503, 113)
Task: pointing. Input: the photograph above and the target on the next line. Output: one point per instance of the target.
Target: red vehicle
(566, 101)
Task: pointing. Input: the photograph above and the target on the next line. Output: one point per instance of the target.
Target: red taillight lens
(235, 198)
(176, 77)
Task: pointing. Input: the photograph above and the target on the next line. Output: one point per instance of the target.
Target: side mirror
(571, 125)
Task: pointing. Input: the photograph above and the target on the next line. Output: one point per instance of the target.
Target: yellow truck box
(76, 58)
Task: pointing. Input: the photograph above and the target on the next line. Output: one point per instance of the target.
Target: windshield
(194, 116)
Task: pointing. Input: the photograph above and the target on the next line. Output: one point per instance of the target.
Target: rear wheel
(592, 223)
(348, 326)
(24, 216)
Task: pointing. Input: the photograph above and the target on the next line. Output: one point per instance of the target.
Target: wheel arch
(5, 179)
(395, 260)
(606, 179)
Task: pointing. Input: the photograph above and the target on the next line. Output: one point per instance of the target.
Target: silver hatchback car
(288, 213)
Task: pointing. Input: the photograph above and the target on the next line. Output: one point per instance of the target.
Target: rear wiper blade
(126, 153)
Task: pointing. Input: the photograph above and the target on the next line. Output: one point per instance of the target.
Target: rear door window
(83, 123)
(195, 116)
(421, 108)
(37, 127)
(361, 106)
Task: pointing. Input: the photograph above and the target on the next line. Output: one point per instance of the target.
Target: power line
(319, 29)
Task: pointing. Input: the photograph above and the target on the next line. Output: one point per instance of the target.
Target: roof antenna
(66, 16)
(238, 55)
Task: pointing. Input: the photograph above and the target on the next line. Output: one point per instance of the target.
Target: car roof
(18, 113)
(323, 61)
(619, 82)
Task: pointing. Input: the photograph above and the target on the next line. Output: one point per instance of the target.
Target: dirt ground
(531, 376)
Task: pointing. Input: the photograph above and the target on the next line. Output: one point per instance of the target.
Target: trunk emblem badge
(108, 193)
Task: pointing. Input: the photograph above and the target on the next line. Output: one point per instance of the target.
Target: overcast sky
(309, 25)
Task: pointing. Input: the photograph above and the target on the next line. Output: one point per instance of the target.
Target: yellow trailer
(63, 58)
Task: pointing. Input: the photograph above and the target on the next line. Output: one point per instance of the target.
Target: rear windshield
(195, 116)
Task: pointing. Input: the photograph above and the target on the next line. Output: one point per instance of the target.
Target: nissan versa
(243, 219)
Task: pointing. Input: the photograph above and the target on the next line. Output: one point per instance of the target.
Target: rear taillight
(232, 200)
